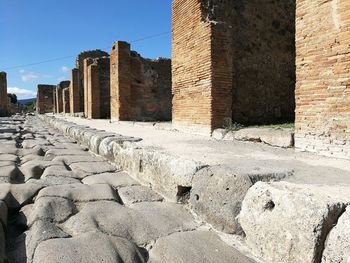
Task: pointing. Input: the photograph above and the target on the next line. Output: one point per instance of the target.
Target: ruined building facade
(45, 99)
(3, 94)
(58, 98)
(140, 88)
(78, 90)
(323, 77)
(97, 88)
(232, 60)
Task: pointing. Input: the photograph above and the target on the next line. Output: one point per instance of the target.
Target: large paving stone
(17, 195)
(141, 223)
(285, 222)
(9, 157)
(194, 247)
(217, 194)
(10, 174)
(27, 144)
(39, 232)
(68, 160)
(137, 194)
(88, 248)
(337, 247)
(55, 180)
(116, 180)
(84, 169)
(65, 152)
(80, 192)
(52, 209)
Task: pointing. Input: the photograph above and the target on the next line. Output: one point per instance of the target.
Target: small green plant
(231, 126)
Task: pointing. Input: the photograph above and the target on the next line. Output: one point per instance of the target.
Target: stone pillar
(65, 99)
(59, 95)
(323, 77)
(45, 99)
(120, 81)
(87, 63)
(93, 92)
(74, 92)
(3, 93)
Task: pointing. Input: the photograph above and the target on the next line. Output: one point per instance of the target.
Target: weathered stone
(65, 152)
(39, 232)
(52, 209)
(68, 160)
(9, 157)
(337, 246)
(137, 194)
(88, 248)
(275, 137)
(80, 192)
(84, 169)
(55, 180)
(27, 144)
(194, 247)
(217, 194)
(141, 223)
(17, 195)
(115, 180)
(285, 222)
(10, 174)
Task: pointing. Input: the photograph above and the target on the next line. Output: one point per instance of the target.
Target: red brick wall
(141, 88)
(232, 60)
(45, 95)
(323, 77)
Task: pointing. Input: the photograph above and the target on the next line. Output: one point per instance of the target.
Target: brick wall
(74, 92)
(323, 77)
(98, 88)
(3, 94)
(232, 60)
(140, 88)
(65, 100)
(80, 66)
(44, 101)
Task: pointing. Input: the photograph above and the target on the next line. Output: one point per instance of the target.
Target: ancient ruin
(217, 47)
(140, 88)
(323, 78)
(65, 100)
(3, 94)
(45, 99)
(74, 94)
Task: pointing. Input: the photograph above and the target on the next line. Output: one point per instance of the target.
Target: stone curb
(168, 174)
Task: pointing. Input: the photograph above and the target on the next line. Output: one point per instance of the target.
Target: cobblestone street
(61, 203)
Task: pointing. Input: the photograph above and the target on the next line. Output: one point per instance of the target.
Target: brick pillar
(65, 99)
(59, 100)
(74, 92)
(93, 92)
(120, 81)
(201, 70)
(3, 92)
(87, 63)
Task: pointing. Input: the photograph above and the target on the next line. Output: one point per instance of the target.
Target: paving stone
(137, 194)
(88, 248)
(337, 246)
(9, 157)
(55, 180)
(10, 174)
(286, 222)
(39, 232)
(18, 195)
(194, 247)
(27, 144)
(31, 157)
(80, 192)
(116, 180)
(217, 194)
(68, 160)
(84, 169)
(140, 223)
(66, 152)
(5, 163)
(52, 209)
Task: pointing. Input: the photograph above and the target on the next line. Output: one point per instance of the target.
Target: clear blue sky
(38, 30)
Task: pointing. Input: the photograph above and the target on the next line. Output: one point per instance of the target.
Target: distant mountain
(25, 101)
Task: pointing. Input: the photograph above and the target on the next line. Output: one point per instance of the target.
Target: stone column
(93, 92)
(45, 99)
(3, 92)
(87, 62)
(65, 99)
(120, 81)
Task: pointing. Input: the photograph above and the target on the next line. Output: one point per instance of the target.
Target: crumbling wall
(80, 66)
(45, 99)
(97, 77)
(232, 60)
(59, 95)
(65, 99)
(3, 94)
(323, 77)
(140, 88)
